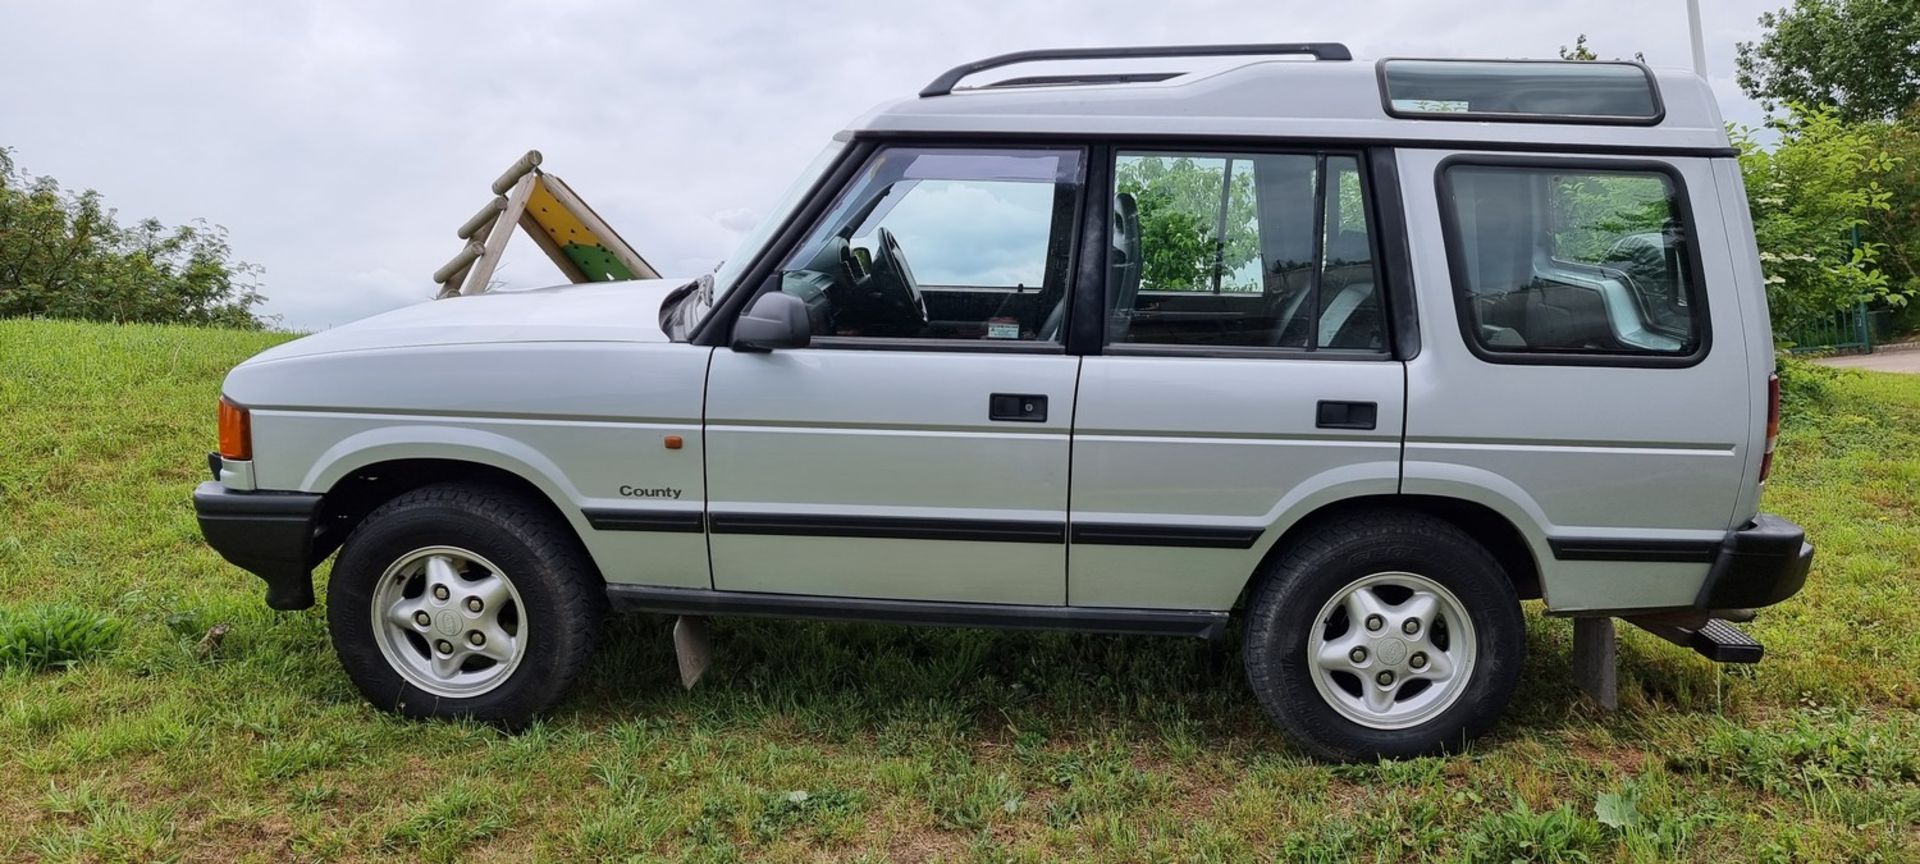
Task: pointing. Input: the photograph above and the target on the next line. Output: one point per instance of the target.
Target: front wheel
(463, 601)
(1384, 635)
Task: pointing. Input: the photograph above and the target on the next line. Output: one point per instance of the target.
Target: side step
(1715, 640)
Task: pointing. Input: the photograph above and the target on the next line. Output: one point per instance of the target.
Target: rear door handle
(1346, 415)
(1017, 407)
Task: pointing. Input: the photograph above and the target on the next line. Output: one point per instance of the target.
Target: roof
(1262, 97)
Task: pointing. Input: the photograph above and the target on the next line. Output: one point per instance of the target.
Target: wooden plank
(601, 230)
(1596, 666)
(545, 242)
(476, 281)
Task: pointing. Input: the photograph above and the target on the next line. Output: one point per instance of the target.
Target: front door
(919, 448)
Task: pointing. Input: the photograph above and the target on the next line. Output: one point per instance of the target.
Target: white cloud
(341, 142)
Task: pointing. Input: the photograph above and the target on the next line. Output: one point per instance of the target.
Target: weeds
(38, 638)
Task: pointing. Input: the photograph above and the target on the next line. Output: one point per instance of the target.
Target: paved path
(1903, 359)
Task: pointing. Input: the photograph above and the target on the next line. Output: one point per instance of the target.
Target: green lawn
(827, 742)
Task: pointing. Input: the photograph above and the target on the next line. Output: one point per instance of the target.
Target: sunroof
(1552, 91)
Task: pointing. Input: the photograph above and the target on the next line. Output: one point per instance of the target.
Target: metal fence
(1846, 331)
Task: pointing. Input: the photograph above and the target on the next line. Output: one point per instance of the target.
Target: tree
(1811, 196)
(1178, 199)
(63, 255)
(1580, 51)
(1860, 56)
(1896, 229)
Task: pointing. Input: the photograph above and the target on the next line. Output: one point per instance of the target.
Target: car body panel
(1215, 442)
(577, 418)
(824, 433)
(1598, 450)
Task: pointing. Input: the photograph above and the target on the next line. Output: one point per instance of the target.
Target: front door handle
(1346, 415)
(1017, 407)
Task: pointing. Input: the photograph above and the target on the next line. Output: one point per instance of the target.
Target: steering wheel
(890, 266)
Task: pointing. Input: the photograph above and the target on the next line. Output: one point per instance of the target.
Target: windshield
(730, 270)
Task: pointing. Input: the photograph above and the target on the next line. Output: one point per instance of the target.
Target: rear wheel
(1384, 635)
(463, 601)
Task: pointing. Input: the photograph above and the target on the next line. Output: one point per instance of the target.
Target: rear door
(1577, 372)
(1245, 377)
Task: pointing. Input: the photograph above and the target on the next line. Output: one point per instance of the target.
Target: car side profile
(1362, 354)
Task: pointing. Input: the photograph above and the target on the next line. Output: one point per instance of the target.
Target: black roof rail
(943, 85)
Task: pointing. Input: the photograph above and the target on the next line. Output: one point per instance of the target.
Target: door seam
(706, 485)
(1073, 422)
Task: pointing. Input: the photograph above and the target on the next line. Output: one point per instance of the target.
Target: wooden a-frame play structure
(579, 242)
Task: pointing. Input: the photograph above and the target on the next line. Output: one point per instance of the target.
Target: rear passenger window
(1582, 261)
(1242, 251)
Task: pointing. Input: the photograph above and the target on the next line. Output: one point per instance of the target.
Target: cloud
(341, 142)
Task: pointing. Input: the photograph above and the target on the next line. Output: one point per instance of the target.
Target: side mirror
(775, 320)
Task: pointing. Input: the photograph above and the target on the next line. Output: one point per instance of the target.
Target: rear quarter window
(1573, 262)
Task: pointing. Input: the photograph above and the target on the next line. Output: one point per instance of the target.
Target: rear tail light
(236, 431)
(1773, 425)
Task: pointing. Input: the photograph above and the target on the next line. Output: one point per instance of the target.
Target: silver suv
(1361, 354)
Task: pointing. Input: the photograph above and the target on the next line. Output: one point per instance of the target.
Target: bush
(50, 637)
(1803, 384)
(1811, 196)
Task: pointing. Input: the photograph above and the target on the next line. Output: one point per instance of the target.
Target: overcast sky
(341, 142)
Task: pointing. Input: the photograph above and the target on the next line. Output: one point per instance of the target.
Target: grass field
(824, 742)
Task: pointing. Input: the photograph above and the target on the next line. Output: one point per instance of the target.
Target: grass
(811, 742)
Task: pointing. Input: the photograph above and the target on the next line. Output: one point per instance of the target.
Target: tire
(1316, 678)
(536, 625)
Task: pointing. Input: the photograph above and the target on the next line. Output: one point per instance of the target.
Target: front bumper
(1759, 565)
(273, 535)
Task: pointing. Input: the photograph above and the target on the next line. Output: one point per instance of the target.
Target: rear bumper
(1759, 565)
(272, 535)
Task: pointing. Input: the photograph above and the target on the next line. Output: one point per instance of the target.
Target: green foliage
(1860, 56)
(1179, 204)
(1580, 51)
(63, 255)
(54, 637)
(1650, 819)
(826, 811)
(1811, 195)
(1519, 834)
(1896, 229)
(1593, 212)
(1804, 384)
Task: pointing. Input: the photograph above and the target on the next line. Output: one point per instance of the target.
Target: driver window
(944, 243)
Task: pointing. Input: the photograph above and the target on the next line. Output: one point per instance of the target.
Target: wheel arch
(355, 493)
(1495, 531)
